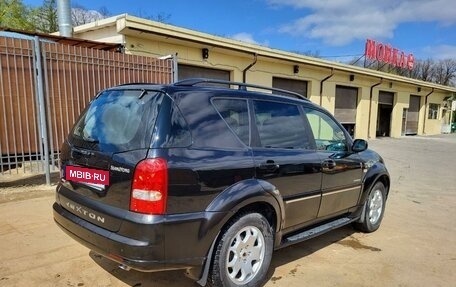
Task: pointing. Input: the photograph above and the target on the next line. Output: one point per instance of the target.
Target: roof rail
(241, 86)
(135, 83)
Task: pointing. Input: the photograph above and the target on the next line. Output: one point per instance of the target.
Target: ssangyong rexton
(211, 179)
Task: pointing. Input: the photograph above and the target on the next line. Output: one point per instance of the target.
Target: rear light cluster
(149, 189)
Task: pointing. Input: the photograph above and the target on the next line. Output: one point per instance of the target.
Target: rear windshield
(118, 120)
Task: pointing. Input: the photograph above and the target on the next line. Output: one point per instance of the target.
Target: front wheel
(374, 209)
(243, 253)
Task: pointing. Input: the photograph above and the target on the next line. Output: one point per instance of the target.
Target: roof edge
(126, 21)
(107, 22)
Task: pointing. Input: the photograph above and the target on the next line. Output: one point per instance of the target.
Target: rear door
(284, 157)
(341, 169)
(98, 159)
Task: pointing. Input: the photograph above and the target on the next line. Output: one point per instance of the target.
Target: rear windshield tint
(118, 120)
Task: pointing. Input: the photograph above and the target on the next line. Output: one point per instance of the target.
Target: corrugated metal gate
(346, 105)
(43, 88)
(413, 115)
(297, 86)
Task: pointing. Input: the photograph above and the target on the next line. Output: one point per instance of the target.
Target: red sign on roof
(385, 53)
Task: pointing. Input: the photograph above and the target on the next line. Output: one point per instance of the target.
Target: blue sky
(335, 29)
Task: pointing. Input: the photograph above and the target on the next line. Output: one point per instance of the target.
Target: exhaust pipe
(124, 267)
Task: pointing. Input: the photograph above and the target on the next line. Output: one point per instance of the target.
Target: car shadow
(177, 278)
(143, 279)
(306, 248)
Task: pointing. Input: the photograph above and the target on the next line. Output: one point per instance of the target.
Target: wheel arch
(377, 173)
(249, 195)
(256, 197)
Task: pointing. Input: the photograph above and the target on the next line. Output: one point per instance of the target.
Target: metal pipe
(371, 95)
(425, 104)
(175, 71)
(42, 109)
(321, 85)
(244, 72)
(64, 17)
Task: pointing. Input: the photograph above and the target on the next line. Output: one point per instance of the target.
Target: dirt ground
(415, 246)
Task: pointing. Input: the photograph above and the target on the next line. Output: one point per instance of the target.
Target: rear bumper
(109, 244)
(150, 253)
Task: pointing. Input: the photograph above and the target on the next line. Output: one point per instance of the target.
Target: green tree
(15, 15)
(46, 17)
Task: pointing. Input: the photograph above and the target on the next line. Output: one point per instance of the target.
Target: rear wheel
(374, 209)
(244, 252)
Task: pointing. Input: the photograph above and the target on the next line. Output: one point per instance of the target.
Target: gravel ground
(415, 246)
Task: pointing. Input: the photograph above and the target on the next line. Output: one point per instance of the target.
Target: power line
(342, 56)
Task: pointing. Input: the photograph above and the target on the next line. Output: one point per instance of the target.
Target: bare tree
(401, 72)
(104, 12)
(426, 70)
(444, 72)
(159, 17)
(422, 70)
(310, 53)
(80, 15)
(441, 72)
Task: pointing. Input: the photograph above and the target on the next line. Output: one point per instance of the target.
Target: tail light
(149, 190)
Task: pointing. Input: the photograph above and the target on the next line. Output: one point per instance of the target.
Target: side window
(236, 115)
(280, 125)
(179, 134)
(328, 135)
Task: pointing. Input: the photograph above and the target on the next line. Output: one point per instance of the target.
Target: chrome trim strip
(302, 198)
(342, 190)
(99, 187)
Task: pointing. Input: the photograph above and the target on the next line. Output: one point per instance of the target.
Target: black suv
(202, 176)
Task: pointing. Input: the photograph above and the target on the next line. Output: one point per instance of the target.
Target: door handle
(269, 165)
(329, 164)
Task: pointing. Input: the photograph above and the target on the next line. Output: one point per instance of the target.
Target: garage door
(188, 71)
(345, 107)
(296, 86)
(386, 98)
(413, 115)
(346, 104)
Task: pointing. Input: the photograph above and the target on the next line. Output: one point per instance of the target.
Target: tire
(374, 209)
(243, 253)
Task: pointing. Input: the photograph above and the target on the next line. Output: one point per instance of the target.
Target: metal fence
(43, 88)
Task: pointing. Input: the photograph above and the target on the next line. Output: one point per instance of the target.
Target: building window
(433, 111)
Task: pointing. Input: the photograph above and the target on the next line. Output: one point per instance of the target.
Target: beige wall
(102, 34)
(266, 68)
(434, 126)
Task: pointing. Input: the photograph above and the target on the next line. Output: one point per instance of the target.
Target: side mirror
(359, 145)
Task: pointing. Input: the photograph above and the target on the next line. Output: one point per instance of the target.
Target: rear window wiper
(90, 140)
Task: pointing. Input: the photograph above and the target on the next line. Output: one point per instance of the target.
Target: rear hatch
(111, 136)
